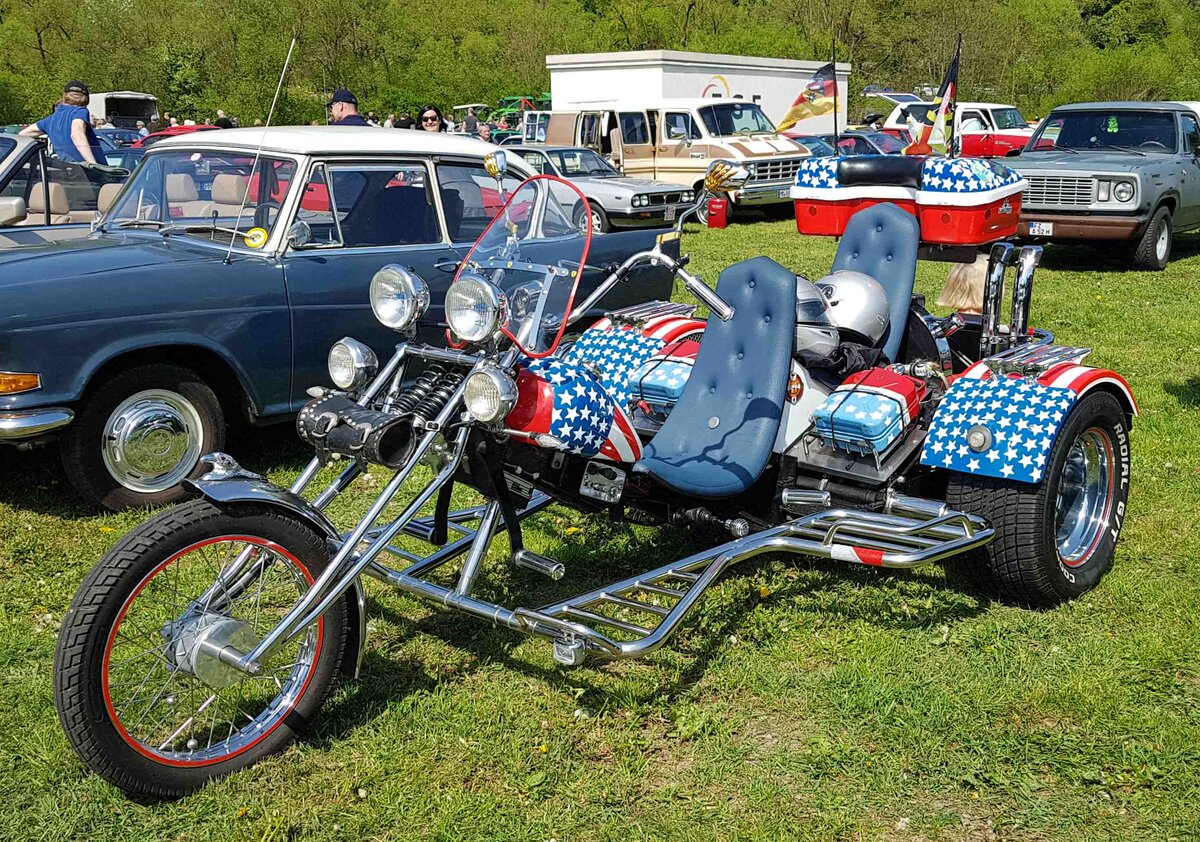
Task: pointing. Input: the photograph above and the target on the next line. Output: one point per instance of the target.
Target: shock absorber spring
(420, 389)
(435, 401)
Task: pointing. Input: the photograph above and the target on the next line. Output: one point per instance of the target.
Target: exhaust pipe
(1002, 256)
(1027, 263)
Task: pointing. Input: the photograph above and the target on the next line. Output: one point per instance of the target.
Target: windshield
(731, 118)
(581, 162)
(886, 144)
(534, 250)
(1144, 131)
(210, 194)
(1008, 118)
(7, 144)
(814, 145)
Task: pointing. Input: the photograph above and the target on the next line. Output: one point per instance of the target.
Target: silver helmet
(815, 333)
(858, 304)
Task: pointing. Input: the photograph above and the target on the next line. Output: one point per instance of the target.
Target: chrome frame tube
(1022, 297)
(993, 293)
(483, 539)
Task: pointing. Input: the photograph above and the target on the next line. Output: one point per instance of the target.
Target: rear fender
(249, 489)
(1021, 417)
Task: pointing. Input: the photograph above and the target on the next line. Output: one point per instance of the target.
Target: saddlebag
(658, 383)
(870, 412)
(336, 424)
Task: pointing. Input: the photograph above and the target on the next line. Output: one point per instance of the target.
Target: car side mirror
(1013, 153)
(723, 176)
(299, 236)
(12, 210)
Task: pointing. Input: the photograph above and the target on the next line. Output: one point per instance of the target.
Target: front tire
(139, 434)
(1153, 249)
(141, 701)
(1055, 540)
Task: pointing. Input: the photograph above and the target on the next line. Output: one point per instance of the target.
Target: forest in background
(200, 55)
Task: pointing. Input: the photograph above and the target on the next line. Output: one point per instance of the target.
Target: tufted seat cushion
(882, 241)
(718, 438)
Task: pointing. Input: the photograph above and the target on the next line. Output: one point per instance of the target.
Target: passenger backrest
(60, 209)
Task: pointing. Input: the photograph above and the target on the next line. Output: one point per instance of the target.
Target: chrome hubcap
(1163, 242)
(595, 223)
(152, 440)
(1085, 497)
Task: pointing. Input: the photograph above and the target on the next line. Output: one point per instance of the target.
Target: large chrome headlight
(475, 307)
(490, 395)
(352, 364)
(1123, 191)
(398, 297)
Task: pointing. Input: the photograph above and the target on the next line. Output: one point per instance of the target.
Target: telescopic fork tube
(1001, 258)
(1022, 299)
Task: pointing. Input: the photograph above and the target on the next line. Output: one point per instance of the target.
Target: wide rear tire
(117, 667)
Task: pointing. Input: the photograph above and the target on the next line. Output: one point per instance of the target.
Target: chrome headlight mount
(475, 308)
(398, 297)
(352, 364)
(490, 394)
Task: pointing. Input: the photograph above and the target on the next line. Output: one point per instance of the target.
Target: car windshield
(1144, 131)
(581, 162)
(731, 118)
(814, 145)
(7, 145)
(1008, 118)
(208, 194)
(885, 143)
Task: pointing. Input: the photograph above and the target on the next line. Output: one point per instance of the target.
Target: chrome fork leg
(483, 537)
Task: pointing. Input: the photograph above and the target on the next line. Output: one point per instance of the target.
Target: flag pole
(835, 91)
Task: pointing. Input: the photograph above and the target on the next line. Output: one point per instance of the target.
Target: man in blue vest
(69, 128)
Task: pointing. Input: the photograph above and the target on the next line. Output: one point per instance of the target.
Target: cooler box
(958, 201)
(870, 412)
(659, 382)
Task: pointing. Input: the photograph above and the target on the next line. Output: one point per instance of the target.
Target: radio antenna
(258, 152)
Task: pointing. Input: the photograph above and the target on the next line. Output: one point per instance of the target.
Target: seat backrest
(882, 241)
(228, 191)
(35, 208)
(106, 196)
(181, 187)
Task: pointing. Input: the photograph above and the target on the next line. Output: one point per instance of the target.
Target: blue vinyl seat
(882, 241)
(718, 438)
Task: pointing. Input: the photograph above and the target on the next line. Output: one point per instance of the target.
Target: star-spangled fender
(1022, 415)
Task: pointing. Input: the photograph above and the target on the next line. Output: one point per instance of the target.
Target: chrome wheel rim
(152, 440)
(597, 228)
(168, 701)
(1085, 497)
(1163, 242)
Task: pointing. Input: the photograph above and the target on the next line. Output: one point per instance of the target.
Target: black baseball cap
(342, 95)
(77, 86)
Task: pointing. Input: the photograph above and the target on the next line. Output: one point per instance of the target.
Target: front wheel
(1055, 540)
(143, 698)
(1152, 251)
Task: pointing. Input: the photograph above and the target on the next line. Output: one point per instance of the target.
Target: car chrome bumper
(27, 423)
(650, 218)
(764, 194)
(1077, 226)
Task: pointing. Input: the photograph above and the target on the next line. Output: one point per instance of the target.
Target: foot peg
(539, 563)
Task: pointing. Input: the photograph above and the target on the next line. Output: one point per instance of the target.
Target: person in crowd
(406, 121)
(432, 119)
(234, 120)
(372, 120)
(343, 109)
(390, 122)
(257, 122)
(485, 132)
(189, 122)
(222, 121)
(471, 123)
(141, 129)
(964, 288)
(166, 119)
(315, 123)
(71, 135)
(174, 121)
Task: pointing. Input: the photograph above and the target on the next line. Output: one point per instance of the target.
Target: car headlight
(398, 297)
(1123, 191)
(490, 395)
(475, 307)
(351, 364)
(640, 201)
(688, 196)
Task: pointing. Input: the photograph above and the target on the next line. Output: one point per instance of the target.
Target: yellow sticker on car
(256, 238)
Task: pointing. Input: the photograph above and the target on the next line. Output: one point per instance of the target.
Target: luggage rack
(637, 315)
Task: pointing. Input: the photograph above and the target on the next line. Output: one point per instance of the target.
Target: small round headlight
(1123, 191)
(351, 364)
(475, 308)
(490, 395)
(398, 297)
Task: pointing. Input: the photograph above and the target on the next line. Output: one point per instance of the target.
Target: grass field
(803, 700)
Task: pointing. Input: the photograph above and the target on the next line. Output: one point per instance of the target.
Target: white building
(588, 80)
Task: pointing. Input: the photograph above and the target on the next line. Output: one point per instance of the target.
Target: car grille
(1057, 190)
(665, 198)
(776, 169)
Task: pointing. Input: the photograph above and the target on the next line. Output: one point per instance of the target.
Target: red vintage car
(172, 131)
(984, 129)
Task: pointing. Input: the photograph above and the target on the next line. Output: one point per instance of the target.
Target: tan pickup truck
(675, 140)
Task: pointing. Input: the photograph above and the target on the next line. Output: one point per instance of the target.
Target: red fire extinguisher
(718, 213)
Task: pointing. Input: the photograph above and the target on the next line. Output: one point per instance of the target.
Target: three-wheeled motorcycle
(836, 419)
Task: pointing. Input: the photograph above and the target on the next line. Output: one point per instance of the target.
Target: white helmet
(857, 304)
(815, 333)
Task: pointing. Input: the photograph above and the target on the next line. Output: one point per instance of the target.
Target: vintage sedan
(219, 278)
(865, 142)
(616, 200)
(38, 189)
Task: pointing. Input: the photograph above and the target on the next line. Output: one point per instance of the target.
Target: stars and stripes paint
(869, 412)
(618, 353)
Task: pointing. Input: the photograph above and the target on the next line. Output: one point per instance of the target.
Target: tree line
(200, 55)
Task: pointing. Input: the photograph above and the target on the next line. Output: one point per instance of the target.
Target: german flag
(932, 126)
(816, 99)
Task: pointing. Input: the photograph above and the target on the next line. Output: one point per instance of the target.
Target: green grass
(801, 700)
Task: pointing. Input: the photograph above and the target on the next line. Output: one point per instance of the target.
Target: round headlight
(351, 364)
(1123, 191)
(398, 297)
(475, 308)
(490, 395)
(688, 196)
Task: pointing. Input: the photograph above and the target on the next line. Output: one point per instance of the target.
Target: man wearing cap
(343, 109)
(69, 128)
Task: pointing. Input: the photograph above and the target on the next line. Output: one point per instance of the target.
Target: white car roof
(654, 104)
(314, 140)
(984, 105)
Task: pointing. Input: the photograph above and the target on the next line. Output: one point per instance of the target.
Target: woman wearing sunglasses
(431, 119)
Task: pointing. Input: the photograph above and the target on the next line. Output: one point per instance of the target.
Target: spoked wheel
(140, 690)
(1055, 539)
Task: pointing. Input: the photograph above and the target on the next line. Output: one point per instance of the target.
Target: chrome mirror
(723, 176)
(299, 236)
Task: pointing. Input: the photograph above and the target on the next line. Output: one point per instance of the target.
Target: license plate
(1041, 229)
(669, 214)
(785, 193)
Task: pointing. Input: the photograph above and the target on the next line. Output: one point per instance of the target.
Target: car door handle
(447, 265)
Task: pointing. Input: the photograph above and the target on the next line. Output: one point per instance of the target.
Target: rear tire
(1051, 543)
(1153, 249)
(93, 668)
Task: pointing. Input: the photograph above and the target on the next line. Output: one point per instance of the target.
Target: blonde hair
(75, 98)
(964, 288)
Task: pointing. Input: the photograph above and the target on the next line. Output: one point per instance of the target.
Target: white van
(124, 108)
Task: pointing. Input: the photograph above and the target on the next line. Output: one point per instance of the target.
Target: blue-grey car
(217, 281)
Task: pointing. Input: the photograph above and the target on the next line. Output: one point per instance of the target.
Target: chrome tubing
(708, 296)
(1001, 258)
(1022, 298)
(483, 538)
